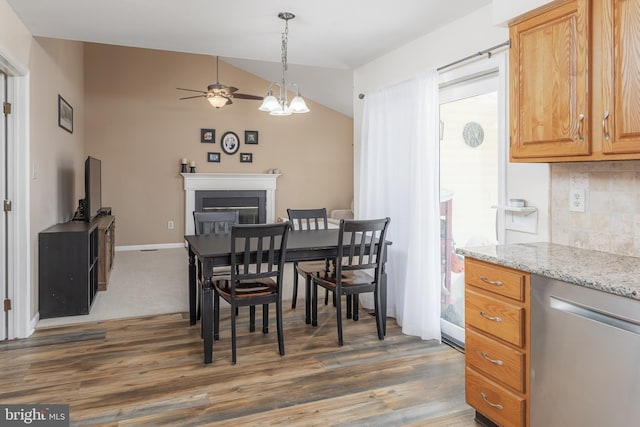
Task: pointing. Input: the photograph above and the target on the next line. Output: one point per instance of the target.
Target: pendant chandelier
(278, 106)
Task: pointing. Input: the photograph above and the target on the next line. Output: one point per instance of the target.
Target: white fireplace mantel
(227, 181)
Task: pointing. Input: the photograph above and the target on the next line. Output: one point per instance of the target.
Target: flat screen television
(92, 188)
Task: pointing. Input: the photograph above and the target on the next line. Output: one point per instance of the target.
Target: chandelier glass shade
(279, 106)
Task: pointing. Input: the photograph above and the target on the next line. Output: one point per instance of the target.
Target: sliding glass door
(472, 164)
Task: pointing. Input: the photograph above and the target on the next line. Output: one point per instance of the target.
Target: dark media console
(75, 262)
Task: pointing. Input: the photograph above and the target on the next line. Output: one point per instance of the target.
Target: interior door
(472, 169)
(3, 222)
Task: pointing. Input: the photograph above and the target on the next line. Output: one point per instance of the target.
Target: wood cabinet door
(620, 76)
(549, 83)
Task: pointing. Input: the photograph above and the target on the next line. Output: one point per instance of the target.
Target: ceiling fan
(218, 94)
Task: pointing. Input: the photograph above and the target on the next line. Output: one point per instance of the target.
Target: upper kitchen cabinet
(619, 108)
(574, 81)
(549, 83)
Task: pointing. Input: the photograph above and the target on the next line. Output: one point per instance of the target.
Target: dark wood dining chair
(358, 268)
(256, 276)
(307, 219)
(213, 223)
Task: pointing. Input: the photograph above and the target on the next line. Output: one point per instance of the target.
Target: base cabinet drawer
(497, 360)
(498, 318)
(494, 401)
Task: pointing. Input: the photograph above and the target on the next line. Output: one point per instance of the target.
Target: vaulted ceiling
(328, 39)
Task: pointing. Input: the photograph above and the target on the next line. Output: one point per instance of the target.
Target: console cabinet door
(549, 83)
(620, 76)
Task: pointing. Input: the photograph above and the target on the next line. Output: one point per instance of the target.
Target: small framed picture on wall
(208, 135)
(213, 157)
(246, 157)
(250, 136)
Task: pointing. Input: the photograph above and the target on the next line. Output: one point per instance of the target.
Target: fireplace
(226, 187)
(250, 204)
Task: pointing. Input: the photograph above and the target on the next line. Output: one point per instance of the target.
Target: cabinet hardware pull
(604, 125)
(580, 122)
(495, 405)
(486, 316)
(491, 282)
(494, 361)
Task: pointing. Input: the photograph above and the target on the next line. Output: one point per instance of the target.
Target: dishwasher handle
(591, 313)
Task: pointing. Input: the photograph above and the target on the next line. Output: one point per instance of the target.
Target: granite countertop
(603, 271)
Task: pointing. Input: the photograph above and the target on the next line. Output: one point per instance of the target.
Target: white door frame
(497, 62)
(19, 322)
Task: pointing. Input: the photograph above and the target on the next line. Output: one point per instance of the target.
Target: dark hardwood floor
(150, 371)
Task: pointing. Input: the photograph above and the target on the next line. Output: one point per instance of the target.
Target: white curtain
(399, 178)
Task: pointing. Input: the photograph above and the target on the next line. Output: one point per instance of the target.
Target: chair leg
(307, 299)
(339, 317)
(314, 306)
(252, 318)
(349, 306)
(280, 327)
(233, 335)
(379, 320)
(216, 316)
(326, 298)
(356, 306)
(265, 318)
(199, 303)
(294, 298)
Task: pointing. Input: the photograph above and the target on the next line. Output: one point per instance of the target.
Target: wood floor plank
(150, 371)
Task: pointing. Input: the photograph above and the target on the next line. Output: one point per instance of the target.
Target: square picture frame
(246, 157)
(208, 136)
(65, 115)
(213, 157)
(250, 136)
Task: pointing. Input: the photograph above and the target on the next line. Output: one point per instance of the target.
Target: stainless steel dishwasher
(585, 356)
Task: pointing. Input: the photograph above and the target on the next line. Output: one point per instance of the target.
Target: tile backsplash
(611, 221)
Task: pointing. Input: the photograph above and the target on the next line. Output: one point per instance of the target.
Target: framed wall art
(65, 115)
(250, 136)
(246, 157)
(208, 135)
(230, 142)
(213, 157)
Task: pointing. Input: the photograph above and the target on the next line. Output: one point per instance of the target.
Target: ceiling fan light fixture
(279, 106)
(217, 101)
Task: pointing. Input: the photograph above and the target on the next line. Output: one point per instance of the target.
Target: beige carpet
(145, 283)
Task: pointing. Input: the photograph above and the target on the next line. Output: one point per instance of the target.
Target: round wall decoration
(473, 134)
(230, 143)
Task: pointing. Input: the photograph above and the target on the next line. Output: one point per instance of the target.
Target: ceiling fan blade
(245, 96)
(191, 90)
(191, 97)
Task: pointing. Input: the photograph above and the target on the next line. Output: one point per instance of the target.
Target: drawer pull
(494, 361)
(491, 282)
(495, 405)
(486, 316)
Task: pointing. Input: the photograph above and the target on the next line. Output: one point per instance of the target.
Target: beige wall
(57, 156)
(611, 222)
(140, 130)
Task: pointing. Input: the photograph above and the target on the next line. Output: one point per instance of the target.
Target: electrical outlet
(577, 200)
(170, 225)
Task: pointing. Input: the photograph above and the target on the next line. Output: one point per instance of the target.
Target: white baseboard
(149, 247)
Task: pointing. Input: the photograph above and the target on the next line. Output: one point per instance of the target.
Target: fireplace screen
(250, 204)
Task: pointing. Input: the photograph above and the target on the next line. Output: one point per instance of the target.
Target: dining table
(213, 250)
